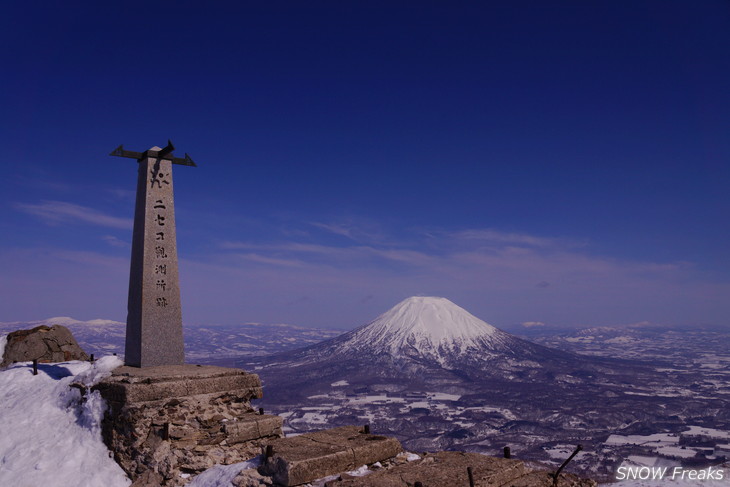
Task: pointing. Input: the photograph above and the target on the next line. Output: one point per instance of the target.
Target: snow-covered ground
(222, 475)
(3, 341)
(50, 437)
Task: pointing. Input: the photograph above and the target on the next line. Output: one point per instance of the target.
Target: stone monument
(154, 317)
(168, 419)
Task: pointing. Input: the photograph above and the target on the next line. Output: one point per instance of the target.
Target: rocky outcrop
(171, 422)
(43, 343)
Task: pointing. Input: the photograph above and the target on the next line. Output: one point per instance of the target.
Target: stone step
(300, 459)
(129, 385)
(252, 426)
(449, 469)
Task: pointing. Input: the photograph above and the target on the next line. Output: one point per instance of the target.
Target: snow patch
(49, 433)
(223, 475)
(709, 432)
(358, 472)
(3, 342)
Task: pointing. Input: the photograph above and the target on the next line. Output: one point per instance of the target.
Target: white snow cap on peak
(438, 318)
(428, 324)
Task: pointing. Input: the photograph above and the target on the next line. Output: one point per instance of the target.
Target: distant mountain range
(203, 343)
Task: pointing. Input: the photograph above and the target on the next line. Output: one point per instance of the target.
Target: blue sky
(563, 164)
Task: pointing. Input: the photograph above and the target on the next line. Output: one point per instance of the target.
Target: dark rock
(43, 343)
(148, 479)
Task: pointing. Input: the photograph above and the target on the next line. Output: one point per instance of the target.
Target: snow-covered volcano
(420, 338)
(430, 327)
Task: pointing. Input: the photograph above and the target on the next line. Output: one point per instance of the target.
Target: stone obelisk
(154, 315)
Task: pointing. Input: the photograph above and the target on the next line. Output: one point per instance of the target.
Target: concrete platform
(301, 459)
(129, 385)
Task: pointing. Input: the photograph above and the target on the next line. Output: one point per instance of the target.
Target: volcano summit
(426, 327)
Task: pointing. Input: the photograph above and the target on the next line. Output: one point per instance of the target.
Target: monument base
(171, 420)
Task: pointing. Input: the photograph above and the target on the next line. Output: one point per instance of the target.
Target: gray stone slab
(154, 315)
(366, 448)
(129, 385)
(320, 461)
(240, 431)
(301, 459)
(252, 426)
(167, 372)
(269, 425)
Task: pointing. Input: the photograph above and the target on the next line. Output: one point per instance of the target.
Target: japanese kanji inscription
(154, 315)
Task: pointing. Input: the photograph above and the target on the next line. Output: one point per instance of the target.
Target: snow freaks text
(665, 473)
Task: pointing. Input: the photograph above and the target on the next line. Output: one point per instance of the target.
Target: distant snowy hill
(203, 343)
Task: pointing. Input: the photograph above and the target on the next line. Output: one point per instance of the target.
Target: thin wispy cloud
(516, 278)
(493, 236)
(47, 281)
(261, 259)
(115, 242)
(57, 212)
(123, 194)
(334, 228)
(460, 253)
(505, 282)
(363, 232)
(347, 255)
(44, 181)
